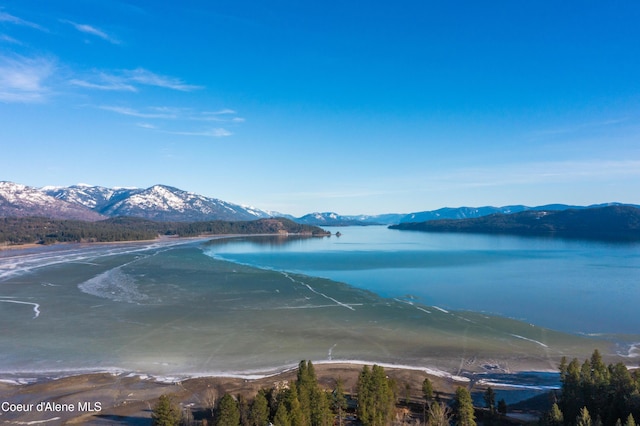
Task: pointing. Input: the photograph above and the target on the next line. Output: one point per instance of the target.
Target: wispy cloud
(104, 81)
(135, 113)
(580, 127)
(222, 116)
(89, 29)
(24, 79)
(7, 39)
(146, 125)
(5, 17)
(130, 80)
(146, 77)
(547, 173)
(215, 133)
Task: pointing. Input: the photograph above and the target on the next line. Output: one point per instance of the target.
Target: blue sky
(353, 107)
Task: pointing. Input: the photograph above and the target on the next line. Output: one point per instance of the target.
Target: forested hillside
(612, 222)
(40, 230)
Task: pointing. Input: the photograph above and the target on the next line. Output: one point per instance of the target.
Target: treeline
(25, 230)
(595, 394)
(305, 403)
(602, 223)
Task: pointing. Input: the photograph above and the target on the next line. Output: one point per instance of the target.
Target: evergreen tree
(305, 384)
(376, 398)
(621, 387)
(339, 402)
(296, 415)
(490, 400)
(314, 402)
(502, 407)
(572, 396)
(427, 390)
(228, 413)
(600, 381)
(630, 421)
(584, 418)
(463, 408)
(165, 412)
(282, 416)
(259, 411)
(555, 416)
(321, 414)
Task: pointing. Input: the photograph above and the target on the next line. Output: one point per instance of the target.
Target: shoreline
(128, 398)
(23, 378)
(159, 239)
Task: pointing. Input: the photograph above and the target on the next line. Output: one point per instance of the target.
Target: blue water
(567, 285)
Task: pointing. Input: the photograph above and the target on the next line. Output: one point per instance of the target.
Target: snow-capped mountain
(92, 197)
(165, 203)
(86, 202)
(330, 219)
(20, 200)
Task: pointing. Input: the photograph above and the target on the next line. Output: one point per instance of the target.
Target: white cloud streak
(105, 82)
(135, 113)
(5, 17)
(526, 174)
(130, 80)
(146, 77)
(23, 80)
(6, 38)
(91, 30)
(214, 133)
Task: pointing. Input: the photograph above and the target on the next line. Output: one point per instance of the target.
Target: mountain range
(166, 203)
(615, 222)
(85, 202)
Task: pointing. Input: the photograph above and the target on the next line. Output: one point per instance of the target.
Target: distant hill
(335, 219)
(25, 230)
(611, 222)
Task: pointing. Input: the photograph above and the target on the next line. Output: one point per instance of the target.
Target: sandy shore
(103, 398)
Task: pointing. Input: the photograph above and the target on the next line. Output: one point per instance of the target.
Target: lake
(569, 285)
(446, 303)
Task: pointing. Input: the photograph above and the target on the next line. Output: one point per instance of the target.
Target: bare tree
(439, 414)
(210, 398)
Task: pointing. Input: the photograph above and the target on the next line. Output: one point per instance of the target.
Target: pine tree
(259, 411)
(502, 407)
(427, 390)
(584, 418)
(555, 416)
(630, 421)
(165, 412)
(339, 403)
(228, 413)
(490, 400)
(314, 402)
(463, 410)
(572, 396)
(376, 398)
(282, 416)
(296, 415)
(305, 384)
